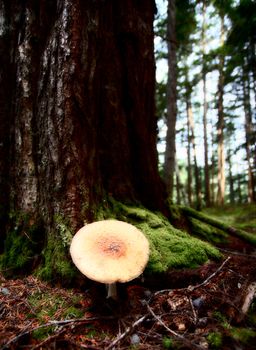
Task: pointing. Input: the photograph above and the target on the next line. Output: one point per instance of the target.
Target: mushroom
(110, 251)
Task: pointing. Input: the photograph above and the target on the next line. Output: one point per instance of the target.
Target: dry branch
(192, 288)
(207, 280)
(126, 332)
(173, 333)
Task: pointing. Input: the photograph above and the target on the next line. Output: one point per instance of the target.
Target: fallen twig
(193, 310)
(192, 288)
(173, 333)
(126, 332)
(205, 282)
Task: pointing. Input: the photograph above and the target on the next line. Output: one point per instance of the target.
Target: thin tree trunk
(220, 126)
(197, 174)
(189, 168)
(189, 165)
(248, 137)
(178, 184)
(205, 107)
(239, 189)
(169, 161)
(212, 168)
(231, 179)
(253, 64)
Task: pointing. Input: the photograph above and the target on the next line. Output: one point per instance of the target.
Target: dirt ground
(212, 307)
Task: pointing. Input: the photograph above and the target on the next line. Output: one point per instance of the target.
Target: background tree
(241, 73)
(171, 115)
(205, 105)
(220, 124)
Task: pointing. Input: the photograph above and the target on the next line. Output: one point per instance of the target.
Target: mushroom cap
(110, 251)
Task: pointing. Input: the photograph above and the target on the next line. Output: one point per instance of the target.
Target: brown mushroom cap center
(112, 247)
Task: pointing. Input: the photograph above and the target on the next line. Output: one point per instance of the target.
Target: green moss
(240, 216)
(56, 264)
(215, 340)
(191, 213)
(73, 312)
(169, 247)
(43, 333)
(63, 230)
(245, 336)
(207, 232)
(46, 305)
(22, 245)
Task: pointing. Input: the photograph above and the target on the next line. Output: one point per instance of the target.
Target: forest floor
(211, 307)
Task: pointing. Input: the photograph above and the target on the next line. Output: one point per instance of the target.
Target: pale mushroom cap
(110, 251)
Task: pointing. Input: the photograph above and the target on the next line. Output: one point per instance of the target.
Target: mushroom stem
(112, 291)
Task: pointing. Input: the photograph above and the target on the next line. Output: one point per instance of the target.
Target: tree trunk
(77, 113)
(252, 49)
(231, 179)
(189, 184)
(169, 161)
(248, 138)
(239, 188)
(189, 171)
(6, 76)
(220, 126)
(205, 107)
(178, 184)
(197, 174)
(213, 167)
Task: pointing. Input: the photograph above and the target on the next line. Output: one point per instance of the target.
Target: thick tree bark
(169, 161)
(77, 109)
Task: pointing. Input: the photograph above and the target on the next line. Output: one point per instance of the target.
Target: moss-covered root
(191, 213)
(169, 247)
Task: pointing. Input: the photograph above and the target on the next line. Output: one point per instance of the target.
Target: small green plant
(43, 333)
(222, 319)
(72, 312)
(167, 343)
(215, 340)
